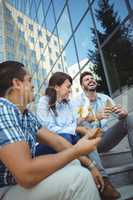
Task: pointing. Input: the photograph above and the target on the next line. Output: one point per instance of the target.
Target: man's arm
(59, 144)
(29, 171)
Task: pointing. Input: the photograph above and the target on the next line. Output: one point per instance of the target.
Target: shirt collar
(8, 102)
(99, 96)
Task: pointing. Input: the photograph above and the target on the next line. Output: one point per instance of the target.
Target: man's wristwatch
(91, 165)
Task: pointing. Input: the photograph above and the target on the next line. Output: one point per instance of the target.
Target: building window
(22, 48)
(62, 47)
(57, 54)
(39, 33)
(10, 27)
(41, 45)
(51, 62)
(50, 50)
(1, 40)
(55, 43)
(31, 40)
(10, 56)
(20, 20)
(31, 27)
(47, 38)
(1, 56)
(21, 34)
(1, 25)
(42, 58)
(33, 55)
(24, 61)
(10, 42)
(34, 66)
(59, 66)
(7, 12)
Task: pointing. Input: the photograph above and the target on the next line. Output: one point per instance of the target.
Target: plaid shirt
(15, 127)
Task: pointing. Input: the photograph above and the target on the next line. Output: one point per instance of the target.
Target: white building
(24, 40)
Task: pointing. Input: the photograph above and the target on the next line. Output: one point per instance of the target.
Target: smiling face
(88, 83)
(63, 91)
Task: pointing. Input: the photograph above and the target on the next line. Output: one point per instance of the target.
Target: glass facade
(70, 36)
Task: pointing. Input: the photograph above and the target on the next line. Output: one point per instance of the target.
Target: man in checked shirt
(22, 175)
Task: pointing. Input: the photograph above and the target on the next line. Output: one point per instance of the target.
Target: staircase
(119, 165)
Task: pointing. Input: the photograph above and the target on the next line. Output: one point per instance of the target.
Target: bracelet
(91, 165)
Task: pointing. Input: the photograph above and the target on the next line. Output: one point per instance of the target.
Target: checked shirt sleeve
(10, 129)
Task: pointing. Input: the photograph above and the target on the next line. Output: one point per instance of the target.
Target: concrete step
(126, 192)
(121, 176)
(114, 159)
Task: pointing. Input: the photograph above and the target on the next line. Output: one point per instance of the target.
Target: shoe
(109, 192)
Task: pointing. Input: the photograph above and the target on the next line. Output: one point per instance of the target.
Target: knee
(83, 187)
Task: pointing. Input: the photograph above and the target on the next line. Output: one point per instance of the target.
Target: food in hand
(82, 111)
(90, 118)
(95, 132)
(109, 104)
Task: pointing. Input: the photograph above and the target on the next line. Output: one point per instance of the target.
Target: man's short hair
(8, 71)
(82, 75)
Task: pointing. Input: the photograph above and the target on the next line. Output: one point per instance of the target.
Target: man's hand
(94, 132)
(104, 114)
(97, 178)
(86, 145)
(120, 111)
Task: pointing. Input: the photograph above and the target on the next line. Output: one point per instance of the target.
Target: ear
(56, 87)
(82, 87)
(16, 83)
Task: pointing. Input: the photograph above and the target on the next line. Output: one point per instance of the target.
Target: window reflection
(83, 37)
(64, 28)
(58, 6)
(77, 9)
(131, 3)
(40, 14)
(50, 21)
(44, 51)
(71, 58)
(118, 54)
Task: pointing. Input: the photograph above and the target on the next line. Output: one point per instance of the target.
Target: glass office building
(71, 36)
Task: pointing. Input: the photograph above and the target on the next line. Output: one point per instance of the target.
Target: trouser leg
(130, 131)
(96, 157)
(72, 182)
(113, 136)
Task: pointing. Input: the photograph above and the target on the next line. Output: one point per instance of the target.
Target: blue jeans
(44, 149)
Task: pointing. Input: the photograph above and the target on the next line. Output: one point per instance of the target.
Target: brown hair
(83, 75)
(58, 79)
(8, 71)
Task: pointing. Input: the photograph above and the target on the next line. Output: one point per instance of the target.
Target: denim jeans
(112, 136)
